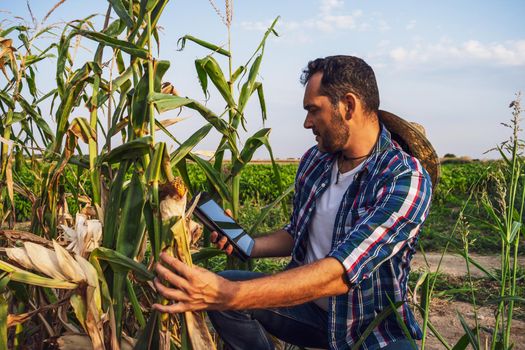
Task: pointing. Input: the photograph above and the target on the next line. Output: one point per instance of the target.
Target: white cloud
(508, 53)
(330, 17)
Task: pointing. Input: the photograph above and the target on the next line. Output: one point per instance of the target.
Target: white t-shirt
(321, 226)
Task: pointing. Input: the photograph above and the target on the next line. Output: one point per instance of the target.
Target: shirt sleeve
(306, 158)
(383, 229)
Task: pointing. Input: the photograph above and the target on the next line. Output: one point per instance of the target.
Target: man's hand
(191, 288)
(222, 243)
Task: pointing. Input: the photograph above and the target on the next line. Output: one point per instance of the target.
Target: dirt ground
(444, 313)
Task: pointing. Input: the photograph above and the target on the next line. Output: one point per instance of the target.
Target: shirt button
(323, 185)
(310, 209)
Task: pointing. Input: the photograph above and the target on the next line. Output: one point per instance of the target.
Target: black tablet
(214, 218)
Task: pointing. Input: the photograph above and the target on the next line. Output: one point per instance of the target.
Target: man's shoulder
(396, 162)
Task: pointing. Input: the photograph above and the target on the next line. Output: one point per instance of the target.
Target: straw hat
(411, 137)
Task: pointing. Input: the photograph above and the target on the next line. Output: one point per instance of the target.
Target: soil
(444, 313)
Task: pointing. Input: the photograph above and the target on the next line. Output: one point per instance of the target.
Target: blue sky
(452, 66)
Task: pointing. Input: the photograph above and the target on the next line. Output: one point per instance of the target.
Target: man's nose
(307, 123)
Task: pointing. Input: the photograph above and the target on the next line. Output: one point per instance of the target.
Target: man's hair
(344, 74)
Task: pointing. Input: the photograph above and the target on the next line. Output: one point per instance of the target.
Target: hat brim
(414, 142)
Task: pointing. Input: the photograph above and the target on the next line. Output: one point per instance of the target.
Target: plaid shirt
(374, 237)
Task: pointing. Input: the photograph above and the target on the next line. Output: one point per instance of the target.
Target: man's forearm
(323, 278)
(276, 244)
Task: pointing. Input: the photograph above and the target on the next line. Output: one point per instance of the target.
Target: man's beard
(335, 140)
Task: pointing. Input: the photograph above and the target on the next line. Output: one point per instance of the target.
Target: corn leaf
(26, 277)
(266, 210)
(215, 178)
(140, 111)
(214, 71)
(122, 263)
(4, 305)
(131, 150)
(122, 12)
(189, 144)
(131, 227)
(215, 48)
(203, 77)
(249, 86)
(123, 45)
(260, 93)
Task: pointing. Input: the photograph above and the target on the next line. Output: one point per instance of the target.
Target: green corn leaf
(114, 202)
(131, 150)
(32, 59)
(203, 77)
(155, 16)
(140, 111)
(248, 87)
(122, 12)
(205, 254)
(237, 73)
(182, 43)
(266, 210)
(19, 275)
(262, 102)
(215, 178)
(470, 333)
(153, 172)
(189, 144)
(252, 144)
(402, 324)
(121, 263)
(166, 102)
(132, 227)
(115, 43)
(214, 71)
(507, 298)
(137, 311)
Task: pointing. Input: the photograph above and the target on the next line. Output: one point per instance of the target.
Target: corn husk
(70, 268)
(20, 256)
(85, 237)
(44, 260)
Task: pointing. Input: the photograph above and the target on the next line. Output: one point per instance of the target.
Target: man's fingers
(213, 237)
(222, 242)
(170, 293)
(172, 278)
(171, 309)
(229, 249)
(228, 212)
(177, 265)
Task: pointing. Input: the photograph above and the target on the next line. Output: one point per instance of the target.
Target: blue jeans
(302, 325)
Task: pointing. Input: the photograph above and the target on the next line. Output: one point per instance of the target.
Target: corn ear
(70, 268)
(20, 256)
(44, 260)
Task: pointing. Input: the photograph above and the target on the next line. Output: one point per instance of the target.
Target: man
(357, 210)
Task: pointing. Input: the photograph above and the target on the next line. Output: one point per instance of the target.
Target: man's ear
(349, 101)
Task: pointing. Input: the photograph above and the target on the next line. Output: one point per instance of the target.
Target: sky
(452, 66)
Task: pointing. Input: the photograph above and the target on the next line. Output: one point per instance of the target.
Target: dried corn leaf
(198, 332)
(93, 321)
(44, 260)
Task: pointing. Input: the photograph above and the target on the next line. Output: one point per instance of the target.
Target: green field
(460, 190)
